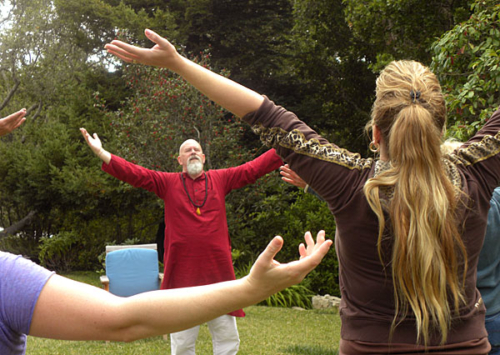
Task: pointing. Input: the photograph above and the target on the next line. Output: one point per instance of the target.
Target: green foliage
(336, 85)
(467, 60)
(402, 29)
(288, 212)
(32, 173)
(293, 296)
(339, 46)
(58, 252)
(248, 36)
(20, 244)
(51, 64)
(163, 111)
(93, 23)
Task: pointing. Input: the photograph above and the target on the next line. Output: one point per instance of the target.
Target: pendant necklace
(198, 211)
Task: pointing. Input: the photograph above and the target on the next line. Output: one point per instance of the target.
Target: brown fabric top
(477, 347)
(338, 176)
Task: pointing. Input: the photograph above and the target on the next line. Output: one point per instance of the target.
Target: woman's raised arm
(232, 96)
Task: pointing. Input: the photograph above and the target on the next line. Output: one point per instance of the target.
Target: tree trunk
(19, 225)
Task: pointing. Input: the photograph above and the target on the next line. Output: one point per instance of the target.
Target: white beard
(194, 167)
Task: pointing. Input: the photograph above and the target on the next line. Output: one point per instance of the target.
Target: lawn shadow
(310, 350)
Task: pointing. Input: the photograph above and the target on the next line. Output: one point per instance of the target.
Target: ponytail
(427, 249)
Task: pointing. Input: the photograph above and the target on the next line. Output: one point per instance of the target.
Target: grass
(264, 331)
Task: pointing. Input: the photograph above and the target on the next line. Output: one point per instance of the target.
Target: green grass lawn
(265, 330)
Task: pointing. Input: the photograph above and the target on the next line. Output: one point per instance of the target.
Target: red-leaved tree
(162, 111)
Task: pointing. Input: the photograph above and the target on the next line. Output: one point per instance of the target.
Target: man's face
(191, 157)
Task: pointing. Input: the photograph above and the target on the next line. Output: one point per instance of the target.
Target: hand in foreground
(289, 176)
(163, 54)
(11, 122)
(269, 276)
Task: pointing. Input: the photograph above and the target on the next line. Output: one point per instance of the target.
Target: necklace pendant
(198, 212)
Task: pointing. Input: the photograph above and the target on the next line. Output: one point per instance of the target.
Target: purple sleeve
(21, 282)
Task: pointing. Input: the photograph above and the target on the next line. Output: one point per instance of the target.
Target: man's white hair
(188, 141)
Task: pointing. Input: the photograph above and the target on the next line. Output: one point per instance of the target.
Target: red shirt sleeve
(248, 173)
(138, 176)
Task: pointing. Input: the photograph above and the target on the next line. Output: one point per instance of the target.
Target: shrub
(60, 252)
(281, 210)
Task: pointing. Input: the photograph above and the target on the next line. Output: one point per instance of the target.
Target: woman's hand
(269, 276)
(163, 54)
(11, 122)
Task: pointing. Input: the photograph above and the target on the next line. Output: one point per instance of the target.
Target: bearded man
(197, 244)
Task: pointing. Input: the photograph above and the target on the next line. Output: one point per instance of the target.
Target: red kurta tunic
(197, 247)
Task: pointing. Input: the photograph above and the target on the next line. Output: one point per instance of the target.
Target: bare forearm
(71, 310)
(146, 313)
(67, 309)
(234, 97)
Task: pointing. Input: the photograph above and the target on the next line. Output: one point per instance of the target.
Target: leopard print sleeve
(333, 172)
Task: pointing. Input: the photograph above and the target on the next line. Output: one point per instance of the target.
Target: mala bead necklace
(198, 211)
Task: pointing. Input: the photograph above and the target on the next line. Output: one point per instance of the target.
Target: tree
(339, 47)
(335, 84)
(51, 63)
(248, 37)
(37, 66)
(163, 111)
(467, 61)
(402, 29)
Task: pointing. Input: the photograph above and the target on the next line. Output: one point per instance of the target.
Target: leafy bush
(271, 209)
(467, 62)
(60, 252)
(293, 296)
(20, 244)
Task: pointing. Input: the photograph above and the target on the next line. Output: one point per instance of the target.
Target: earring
(373, 147)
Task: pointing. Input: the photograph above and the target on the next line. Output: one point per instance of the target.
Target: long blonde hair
(427, 249)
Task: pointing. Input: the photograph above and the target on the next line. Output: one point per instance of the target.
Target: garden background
(317, 58)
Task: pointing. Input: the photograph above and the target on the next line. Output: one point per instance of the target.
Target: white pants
(225, 338)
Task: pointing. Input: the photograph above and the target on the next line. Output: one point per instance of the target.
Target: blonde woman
(410, 224)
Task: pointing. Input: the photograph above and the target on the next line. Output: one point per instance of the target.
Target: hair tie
(415, 96)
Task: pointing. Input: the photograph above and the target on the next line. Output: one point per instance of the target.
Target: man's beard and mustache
(194, 165)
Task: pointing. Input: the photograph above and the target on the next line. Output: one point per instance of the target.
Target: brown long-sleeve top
(367, 307)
